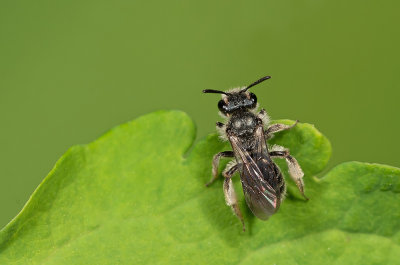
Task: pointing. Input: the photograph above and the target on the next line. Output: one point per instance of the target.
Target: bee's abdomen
(280, 182)
(282, 186)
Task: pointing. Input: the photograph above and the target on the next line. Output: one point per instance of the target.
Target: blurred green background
(71, 70)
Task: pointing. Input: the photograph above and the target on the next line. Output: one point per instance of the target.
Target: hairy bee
(248, 130)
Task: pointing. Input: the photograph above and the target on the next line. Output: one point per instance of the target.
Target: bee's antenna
(215, 91)
(257, 82)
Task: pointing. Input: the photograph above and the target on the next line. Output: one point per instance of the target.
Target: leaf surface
(137, 196)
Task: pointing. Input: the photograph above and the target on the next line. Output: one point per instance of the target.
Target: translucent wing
(259, 176)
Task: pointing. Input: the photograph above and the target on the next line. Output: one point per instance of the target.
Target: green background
(70, 70)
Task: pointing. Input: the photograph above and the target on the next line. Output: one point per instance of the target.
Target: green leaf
(135, 196)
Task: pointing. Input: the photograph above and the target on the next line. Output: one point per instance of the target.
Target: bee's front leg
(230, 194)
(215, 164)
(274, 128)
(295, 171)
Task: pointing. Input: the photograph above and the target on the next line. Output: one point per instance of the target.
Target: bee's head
(237, 98)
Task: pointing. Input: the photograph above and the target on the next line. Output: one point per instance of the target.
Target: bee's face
(237, 100)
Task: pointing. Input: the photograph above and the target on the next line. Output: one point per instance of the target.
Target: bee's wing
(255, 172)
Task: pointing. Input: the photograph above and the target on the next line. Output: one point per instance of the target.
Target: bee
(248, 130)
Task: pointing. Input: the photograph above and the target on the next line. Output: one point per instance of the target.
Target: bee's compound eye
(253, 98)
(222, 106)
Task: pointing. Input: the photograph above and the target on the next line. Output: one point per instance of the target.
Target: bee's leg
(215, 165)
(220, 124)
(277, 128)
(230, 194)
(295, 171)
(263, 116)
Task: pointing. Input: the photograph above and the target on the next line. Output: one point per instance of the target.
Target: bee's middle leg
(215, 164)
(230, 194)
(295, 171)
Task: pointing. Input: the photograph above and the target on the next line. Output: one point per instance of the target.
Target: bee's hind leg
(295, 171)
(229, 191)
(215, 165)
